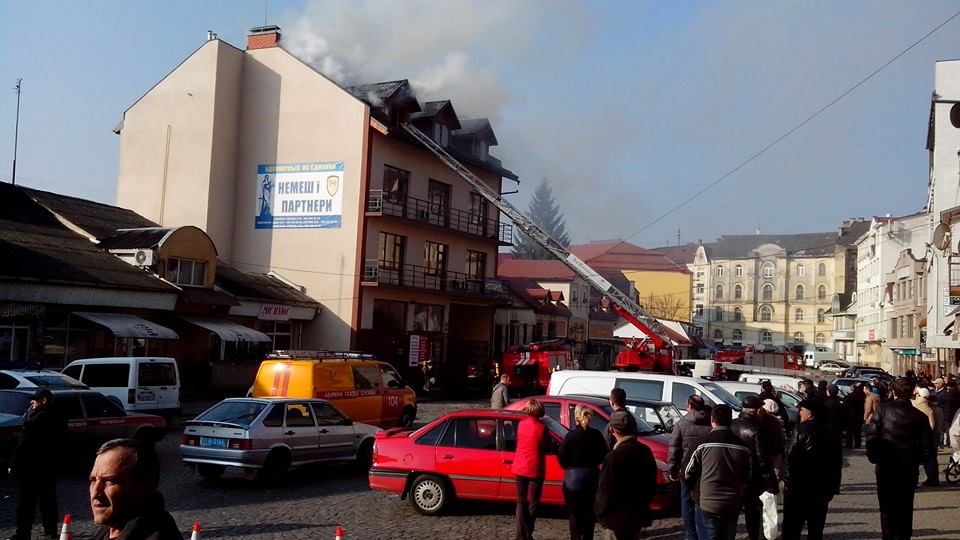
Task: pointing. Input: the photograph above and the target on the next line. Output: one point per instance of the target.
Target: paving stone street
(312, 503)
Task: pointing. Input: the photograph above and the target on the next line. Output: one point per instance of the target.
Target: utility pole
(16, 134)
(678, 236)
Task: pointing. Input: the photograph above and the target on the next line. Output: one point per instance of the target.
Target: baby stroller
(952, 472)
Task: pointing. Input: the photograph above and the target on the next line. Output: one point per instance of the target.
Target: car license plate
(213, 442)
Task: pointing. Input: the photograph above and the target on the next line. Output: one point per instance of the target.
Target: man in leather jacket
(688, 431)
(901, 441)
(813, 472)
(751, 431)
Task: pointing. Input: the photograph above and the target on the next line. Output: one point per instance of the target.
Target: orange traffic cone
(195, 535)
(65, 533)
(339, 534)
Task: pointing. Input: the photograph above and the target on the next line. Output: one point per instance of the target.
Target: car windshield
(14, 403)
(55, 380)
(241, 413)
(724, 396)
(644, 416)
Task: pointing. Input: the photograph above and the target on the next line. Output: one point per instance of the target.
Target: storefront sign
(9, 311)
(269, 312)
(872, 335)
(299, 195)
(419, 348)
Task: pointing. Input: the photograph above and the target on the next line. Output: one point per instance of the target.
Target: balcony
(377, 272)
(421, 211)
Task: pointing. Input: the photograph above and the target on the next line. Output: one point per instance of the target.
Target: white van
(640, 385)
(142, 384)
(781, 381)
(814, 358)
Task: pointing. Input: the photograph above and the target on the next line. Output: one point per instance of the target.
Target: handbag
(579, 478)
(771, 528)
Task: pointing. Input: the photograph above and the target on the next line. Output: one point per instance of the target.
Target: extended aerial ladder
(660, 358)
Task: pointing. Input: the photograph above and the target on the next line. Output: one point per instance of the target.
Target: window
(366, 377)
(274, 418)
(72, 371)
(737, 314)
(392, 247)
(431, 437)
(766, 337)
(766, 313)
(427, 318)
(106, 375)
(395, 185)
(801, 270)
(552, 410)
(738, 335)
(438, 194)
(738, 270)
(822, 292)
(477, 268)
(698, 311)
(327, 415)
(821, 338)
(281, 335)
(767, 292)
(798, 315)
(681, 393)
(719, 271)
(767, 270)
(186, 272)
(640, 389)
(299, 415)
(798, 337)
(821, 270)
(474, 433)
(737, 291)
(157, 374)
(98, 406)
(441, 134)
(717, 314)
(478, 210)
(434, 258)
(508, 434)
(699, 288)
(799, 292)
(389, 315)
(718, 292)
(718, 335)
(821, 316)
(391, 379)
(69, 407)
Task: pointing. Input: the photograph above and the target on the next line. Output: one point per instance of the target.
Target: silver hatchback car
(268, 436)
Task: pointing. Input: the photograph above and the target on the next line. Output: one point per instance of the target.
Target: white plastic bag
(771, 529)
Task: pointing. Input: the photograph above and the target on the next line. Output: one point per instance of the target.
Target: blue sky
(627, 108)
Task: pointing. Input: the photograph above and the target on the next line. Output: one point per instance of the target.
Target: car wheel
(210, 472)
(408, 416)
(365, 455)
(430, 495)
(275, 467)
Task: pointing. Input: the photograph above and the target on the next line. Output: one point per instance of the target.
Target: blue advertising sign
(299, 195)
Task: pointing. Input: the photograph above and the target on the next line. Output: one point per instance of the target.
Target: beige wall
(189, 243)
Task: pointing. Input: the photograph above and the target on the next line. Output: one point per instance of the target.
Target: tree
(543, 211)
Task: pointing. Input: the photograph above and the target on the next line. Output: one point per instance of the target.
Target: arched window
(799, 292)
(718, 314)
(821, 270)
(766, 313)
(798, 315)
(821, 338)
(767, 269)
(738, 270)
(737, 314)
(737, 291)
(737, 335)
(767, 293)
(719, 271)
(718, 292)
(798, 337)
(718, 334)
(801, 270)
(766, 337)
(822, 292)
(821, 316)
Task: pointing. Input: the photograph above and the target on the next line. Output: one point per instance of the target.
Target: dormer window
(480, 148)
(399, 115)
(441, 134)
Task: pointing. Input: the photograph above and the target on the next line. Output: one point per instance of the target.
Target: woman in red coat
(529, 464)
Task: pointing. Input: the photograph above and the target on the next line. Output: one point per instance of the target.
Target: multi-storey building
(288, 170)
(906, 308)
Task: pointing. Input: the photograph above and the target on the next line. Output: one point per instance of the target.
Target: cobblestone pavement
(315, 501)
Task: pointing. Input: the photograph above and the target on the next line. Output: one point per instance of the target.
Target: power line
(794, 129)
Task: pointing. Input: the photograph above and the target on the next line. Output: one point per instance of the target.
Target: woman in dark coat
(581, 454)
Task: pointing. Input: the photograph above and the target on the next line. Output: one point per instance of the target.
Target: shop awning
(124, 325)
(228, 330)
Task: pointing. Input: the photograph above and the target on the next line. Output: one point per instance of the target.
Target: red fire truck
(731, 363)
(530, 366)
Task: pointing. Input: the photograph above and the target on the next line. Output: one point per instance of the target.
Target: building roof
(535, 297)
(796, 245)
(98, 219)
(620, 255)
(851, 231)
(550, 269)
(146, 238)
(684, 254)
(36, 246)
(253, 286)
(477, 127)
(378, 93)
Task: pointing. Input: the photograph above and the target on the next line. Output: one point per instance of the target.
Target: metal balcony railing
(376, 272)
(423, 211)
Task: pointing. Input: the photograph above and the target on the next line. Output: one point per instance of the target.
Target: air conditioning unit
(143, 257)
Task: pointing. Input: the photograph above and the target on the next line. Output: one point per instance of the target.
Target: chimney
(263, 37)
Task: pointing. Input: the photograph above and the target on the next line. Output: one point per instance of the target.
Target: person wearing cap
(628, 481)
(901, 442)
(686, 433)
(767, 391)
(921, 401)
(33, 463)
(835, 416)
(618, 402)
(776, 434)
(751, 430)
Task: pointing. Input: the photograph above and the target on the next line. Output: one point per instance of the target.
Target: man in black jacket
(833, 411)
(628, 481)
(33, 462)
(751, 431)
(720, 469)
(688, 431)
(767, 391)
(901, 441)
(812, 475)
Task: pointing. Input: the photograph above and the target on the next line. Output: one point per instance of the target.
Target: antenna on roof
(16, 133)
(265, 2)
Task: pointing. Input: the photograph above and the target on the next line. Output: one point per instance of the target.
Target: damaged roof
(98, 219)
(254, 286)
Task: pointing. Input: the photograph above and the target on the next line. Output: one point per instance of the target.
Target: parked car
(845, 384)
(92, 419)
(790, 399)
(36, 378)
(779, 381)
(869, 373)
(142, 384)
(269, 436)
(639, 385)
(833, 366)
(653, 434)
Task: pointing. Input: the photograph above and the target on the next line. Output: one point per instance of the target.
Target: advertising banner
(299, 195)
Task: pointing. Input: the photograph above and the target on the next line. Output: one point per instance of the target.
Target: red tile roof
(535, 269)
(684, 254)
(620, 255)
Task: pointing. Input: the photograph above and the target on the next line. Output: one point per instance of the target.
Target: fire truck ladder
(624, 305)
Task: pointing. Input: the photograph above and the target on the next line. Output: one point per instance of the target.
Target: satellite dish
(941, 236)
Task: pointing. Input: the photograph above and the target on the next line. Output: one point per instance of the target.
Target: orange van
(365, 389)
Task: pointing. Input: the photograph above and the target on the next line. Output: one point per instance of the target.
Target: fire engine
(653, 353)
(730, 364)
(530, 366)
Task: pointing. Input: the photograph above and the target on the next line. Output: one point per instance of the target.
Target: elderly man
(628, 481)
(123, 494)
(500, 397)
(761, 440)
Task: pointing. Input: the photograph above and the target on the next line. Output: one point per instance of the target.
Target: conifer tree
(545, 212)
